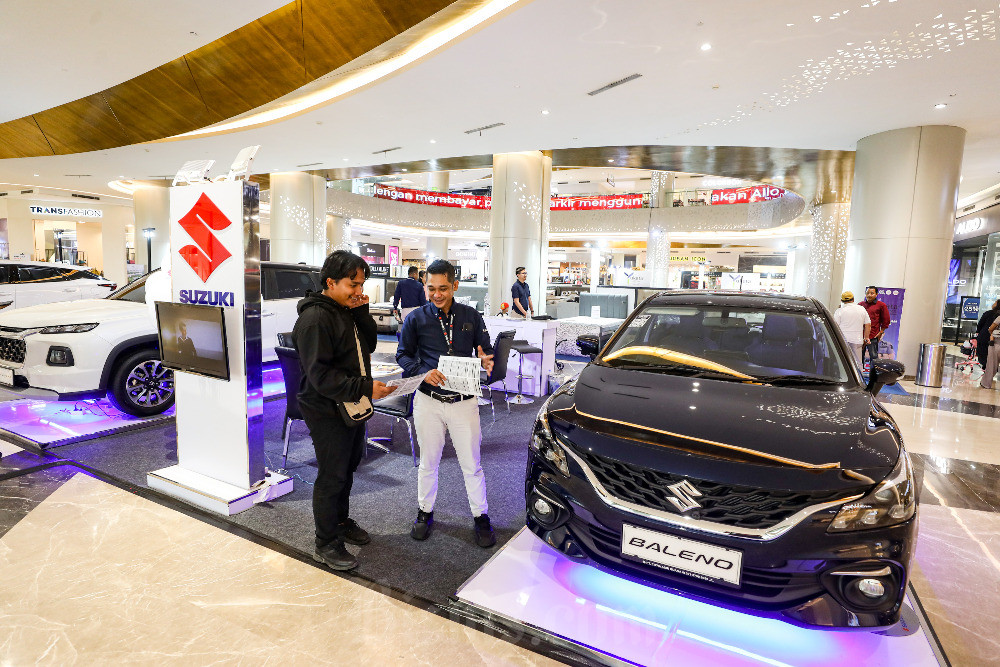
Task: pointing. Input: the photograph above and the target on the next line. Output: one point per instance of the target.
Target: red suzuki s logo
(207, 253)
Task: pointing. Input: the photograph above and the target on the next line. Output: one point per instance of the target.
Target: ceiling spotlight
(345, 159)
(545, 112)
(940, 106)
(36, 175)
(404, 170)
(433, 141)
(706, 46)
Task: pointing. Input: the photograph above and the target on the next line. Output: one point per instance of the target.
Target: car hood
(804, 437)
(72, 312)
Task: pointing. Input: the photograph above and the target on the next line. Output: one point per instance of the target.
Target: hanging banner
(746, 195)
(596, 203)
(456, 200)
(393, 255)
(892, 297)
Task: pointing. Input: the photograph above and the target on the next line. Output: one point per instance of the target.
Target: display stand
(44, 423)
(215, 260)
(618, 621)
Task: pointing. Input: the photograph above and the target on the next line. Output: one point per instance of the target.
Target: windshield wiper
(795, 379)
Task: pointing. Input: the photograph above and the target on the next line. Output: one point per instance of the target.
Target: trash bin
(930, 365)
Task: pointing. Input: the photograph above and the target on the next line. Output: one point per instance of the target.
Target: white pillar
(797, 278)
(298, 217)
(520, 196)
(902, 221)
(437, 248)
(439, 181)
(658, 242)
(595, 270)
(827, 251)
(151, 205)
(661, 186)
(338, 233)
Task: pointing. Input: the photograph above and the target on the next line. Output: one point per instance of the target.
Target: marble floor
(92, 572)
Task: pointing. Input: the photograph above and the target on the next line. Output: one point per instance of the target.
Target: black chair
(285, 339)
(399, 408)
(291, 373)
(501, 354)
(522, 347)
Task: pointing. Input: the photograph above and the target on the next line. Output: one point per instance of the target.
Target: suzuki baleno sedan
(725, 445)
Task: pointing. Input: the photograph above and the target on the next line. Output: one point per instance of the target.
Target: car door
(42, 284)
(285, 288)
(7, 292)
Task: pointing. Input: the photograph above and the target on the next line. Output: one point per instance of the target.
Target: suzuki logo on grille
(208, 252)
(686, 494)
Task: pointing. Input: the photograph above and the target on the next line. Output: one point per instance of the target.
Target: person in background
(332, 324)
(520, 295)
(409, 294)
(444, 327)
(989, 338)
(185, 346)
(878, 313)
(423, 278)
(982, 332)
(854, 324)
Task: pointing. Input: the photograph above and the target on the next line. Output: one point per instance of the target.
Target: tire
(141, 386)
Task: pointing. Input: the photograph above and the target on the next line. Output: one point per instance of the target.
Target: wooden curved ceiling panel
(254, 65)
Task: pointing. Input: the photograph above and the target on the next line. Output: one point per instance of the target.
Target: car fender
(145, 342)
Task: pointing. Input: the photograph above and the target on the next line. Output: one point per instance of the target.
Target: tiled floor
(93, 574)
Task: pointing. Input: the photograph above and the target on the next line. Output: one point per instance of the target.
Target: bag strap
(357, 343)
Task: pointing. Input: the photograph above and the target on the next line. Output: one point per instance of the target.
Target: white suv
(109, 346)
(25, 284)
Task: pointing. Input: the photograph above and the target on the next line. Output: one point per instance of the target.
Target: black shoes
(484, 532)
(422, 526)
(354, 534)
(336, 556)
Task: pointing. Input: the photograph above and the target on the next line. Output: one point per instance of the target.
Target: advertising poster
(393, 257)
(893, 298)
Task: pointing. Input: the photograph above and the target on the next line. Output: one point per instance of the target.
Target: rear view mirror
(589, 345)
(883, 372)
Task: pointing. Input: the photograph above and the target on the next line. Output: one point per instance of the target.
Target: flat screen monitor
(193, 338)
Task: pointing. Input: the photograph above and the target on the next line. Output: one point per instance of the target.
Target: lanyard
(447, 332)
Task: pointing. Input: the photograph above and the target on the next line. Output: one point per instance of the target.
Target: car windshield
(134, 291)
(738, 344)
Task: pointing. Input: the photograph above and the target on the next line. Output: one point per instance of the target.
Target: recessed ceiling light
(940, 106)
(545, 112)
(345, 159)
(610, 160)
(706, 46)
(433, 141)
(789, 24)
(404, 170)
(36, 175)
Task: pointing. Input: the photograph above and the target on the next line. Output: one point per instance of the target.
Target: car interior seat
(784, 344)
(688, 336)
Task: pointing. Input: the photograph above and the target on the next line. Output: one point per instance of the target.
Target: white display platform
(618, 621)
(211, 494)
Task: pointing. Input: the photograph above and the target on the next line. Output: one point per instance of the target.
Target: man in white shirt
(854, 324)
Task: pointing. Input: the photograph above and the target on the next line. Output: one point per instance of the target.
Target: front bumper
(791, 575)
(81, 379)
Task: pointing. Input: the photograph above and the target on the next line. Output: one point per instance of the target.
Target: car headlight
(542, 440)
(69, 328)
(892, 502)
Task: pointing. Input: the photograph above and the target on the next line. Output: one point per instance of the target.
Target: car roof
(762, 300)
(59, 265)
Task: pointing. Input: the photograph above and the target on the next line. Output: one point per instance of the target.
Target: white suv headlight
(69, 328)
(893, 501)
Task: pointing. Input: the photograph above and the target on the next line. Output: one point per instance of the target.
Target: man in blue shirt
(444, 327)
(409, 293)
(520, 295)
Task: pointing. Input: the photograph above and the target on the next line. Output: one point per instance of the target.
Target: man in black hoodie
(324, 335)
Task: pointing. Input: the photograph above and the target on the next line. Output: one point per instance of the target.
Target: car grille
(13, 350)
(762, 584)
(728, 504)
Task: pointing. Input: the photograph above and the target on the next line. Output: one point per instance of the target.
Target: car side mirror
(589, 344)
(883, 372)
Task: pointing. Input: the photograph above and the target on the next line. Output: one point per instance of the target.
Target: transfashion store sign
(746, 195)
(483, 202)
(73, 212)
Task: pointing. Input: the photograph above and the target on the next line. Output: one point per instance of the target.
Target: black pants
(339, 449)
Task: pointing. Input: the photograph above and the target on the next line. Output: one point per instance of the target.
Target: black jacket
(324, 338)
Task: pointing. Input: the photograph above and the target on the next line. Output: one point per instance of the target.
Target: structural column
(798, 268)
(439, 181)
(658, 244)
(517, 218)
(338, 233)
(437, 248)
(151, 206)
(902, 222)
(827, 250)
(298, 217)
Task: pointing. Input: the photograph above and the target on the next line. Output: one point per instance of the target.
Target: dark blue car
(725, 445)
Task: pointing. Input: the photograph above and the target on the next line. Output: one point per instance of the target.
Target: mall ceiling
(783, 94)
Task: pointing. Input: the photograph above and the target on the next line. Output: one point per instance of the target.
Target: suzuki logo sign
(208, 253)
(685, 493)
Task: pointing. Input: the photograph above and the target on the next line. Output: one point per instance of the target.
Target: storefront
(972, 285)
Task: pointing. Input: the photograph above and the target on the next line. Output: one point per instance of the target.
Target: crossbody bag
(357, 412)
